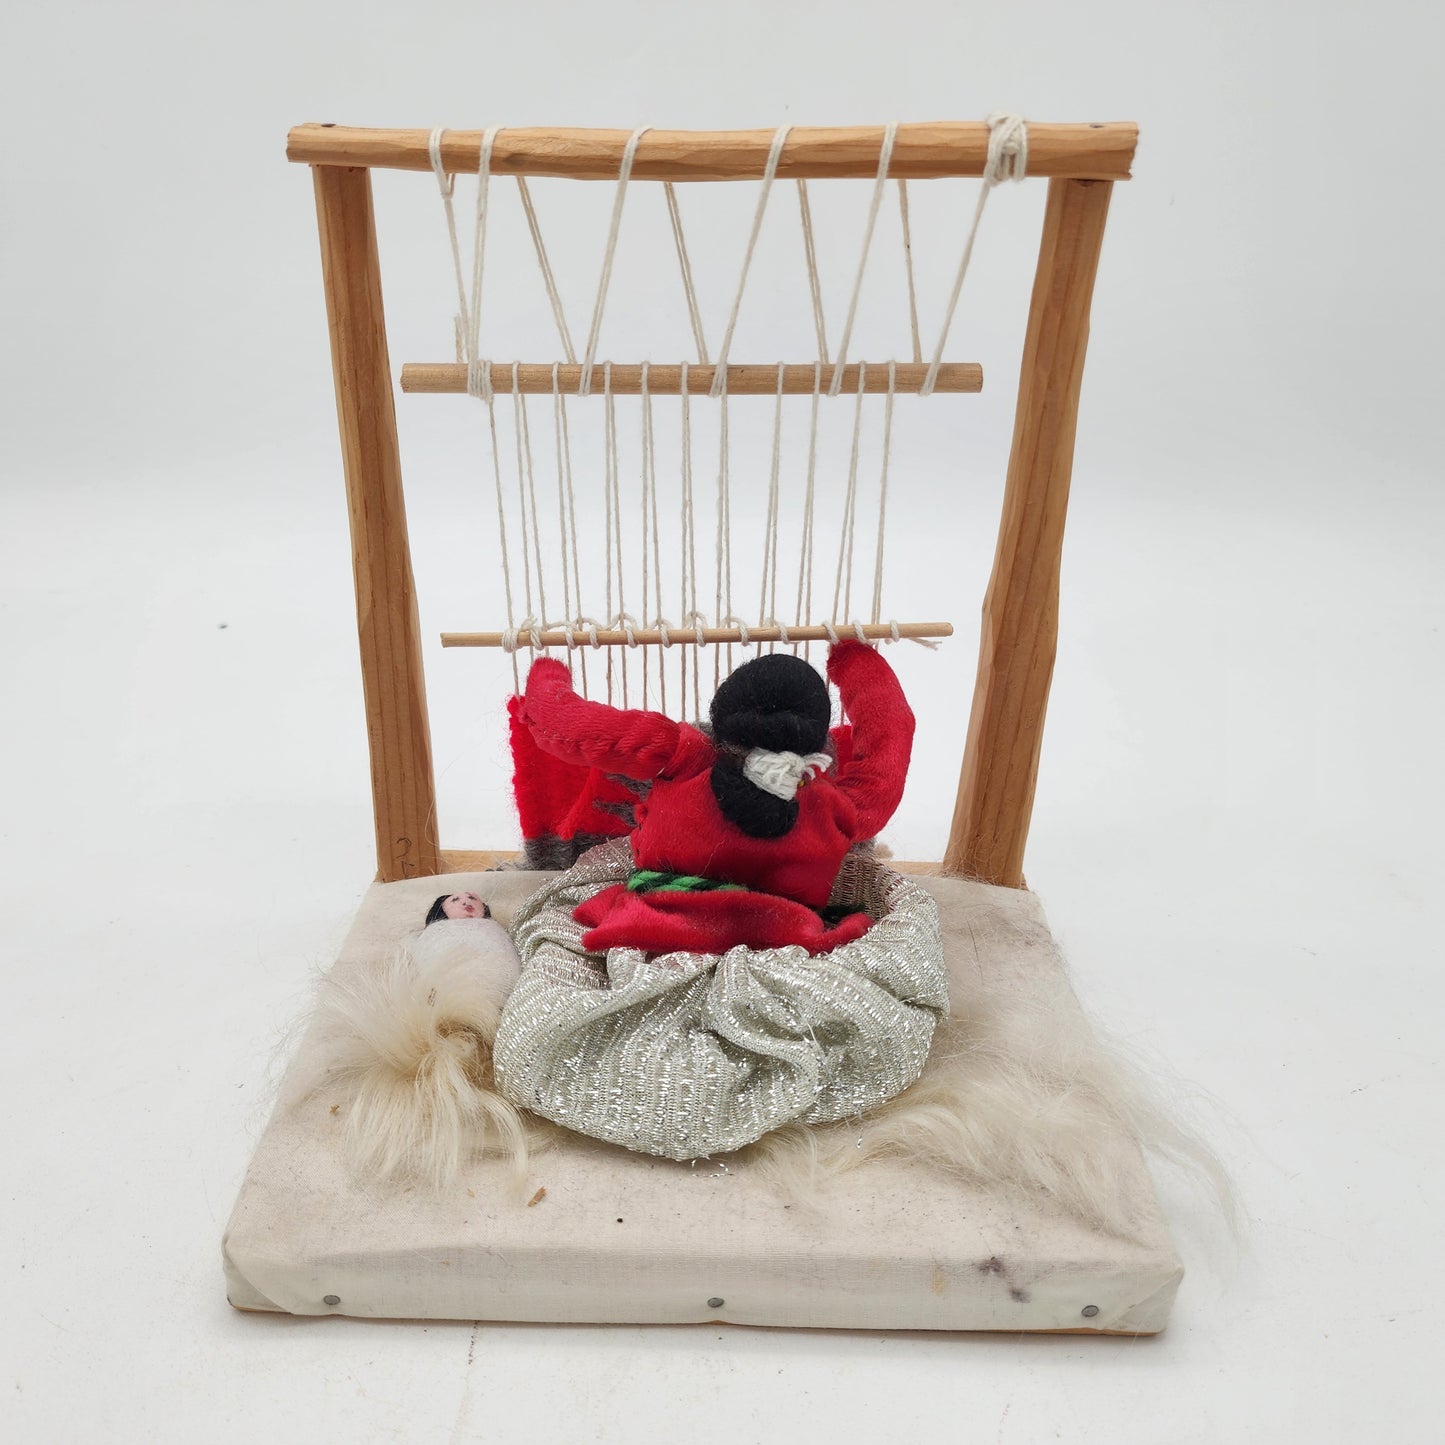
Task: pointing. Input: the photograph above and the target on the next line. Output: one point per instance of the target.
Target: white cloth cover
(624, 1238)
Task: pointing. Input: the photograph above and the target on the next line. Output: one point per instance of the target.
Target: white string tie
(782, 774)
(434, 151)
(831, 631)
(1008, 147)
(530, 629)
(698, 621)
(742, 627)
(859, 633)
(625, 623)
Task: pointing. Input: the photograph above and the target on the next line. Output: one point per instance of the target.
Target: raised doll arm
(633, 743)
(872, 778)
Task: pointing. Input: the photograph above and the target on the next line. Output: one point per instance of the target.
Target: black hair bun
(777, 702)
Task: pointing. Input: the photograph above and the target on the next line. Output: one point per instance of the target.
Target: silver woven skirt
(689, 1054)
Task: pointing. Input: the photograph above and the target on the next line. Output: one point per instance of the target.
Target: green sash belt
(650, 880)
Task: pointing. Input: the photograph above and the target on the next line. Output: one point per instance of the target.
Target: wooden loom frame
(1020, 611)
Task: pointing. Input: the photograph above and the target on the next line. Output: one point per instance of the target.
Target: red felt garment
(681, 829)
(665, 922)
(560, 799)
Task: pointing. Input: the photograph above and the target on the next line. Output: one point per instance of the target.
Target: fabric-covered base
(627, 1239)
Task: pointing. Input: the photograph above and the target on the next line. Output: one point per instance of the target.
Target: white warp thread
(885, 159)
(680, 243)
(629, 154)
(548, 280)
(1008, 157)
(768, 593)
(810, 255)
(908, 268)
(782, 774)
(775, 151)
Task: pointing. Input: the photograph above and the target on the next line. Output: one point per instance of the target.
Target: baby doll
(742, 834)
(411, 1043)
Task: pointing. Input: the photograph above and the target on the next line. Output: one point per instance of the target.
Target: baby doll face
(464, 905)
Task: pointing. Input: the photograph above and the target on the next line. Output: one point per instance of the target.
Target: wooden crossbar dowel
(934, 149)
(678, 636)
(450, 378)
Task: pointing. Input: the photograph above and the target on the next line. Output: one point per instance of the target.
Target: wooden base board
(623, 1238)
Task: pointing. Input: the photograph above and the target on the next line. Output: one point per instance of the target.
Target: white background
(1235, 833)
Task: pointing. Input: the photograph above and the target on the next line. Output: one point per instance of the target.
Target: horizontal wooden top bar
(928, 150)
(554, 636)
(449, 378)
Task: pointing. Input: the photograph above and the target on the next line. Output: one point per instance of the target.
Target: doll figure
(741, 836)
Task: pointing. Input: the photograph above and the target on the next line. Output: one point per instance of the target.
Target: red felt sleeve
(872, 778)
(634, 743)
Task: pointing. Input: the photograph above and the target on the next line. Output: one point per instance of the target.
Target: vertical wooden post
(1021, 607)
(402, 787)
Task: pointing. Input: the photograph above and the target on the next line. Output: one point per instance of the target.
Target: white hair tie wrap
(782, 774)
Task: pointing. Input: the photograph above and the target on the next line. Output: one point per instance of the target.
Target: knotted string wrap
(744, 636)
(629, 154)
(1008, 155)
(1008, 147)
(782, 774)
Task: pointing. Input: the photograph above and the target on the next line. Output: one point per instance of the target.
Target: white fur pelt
(410, 1040)
(1019, 1095)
